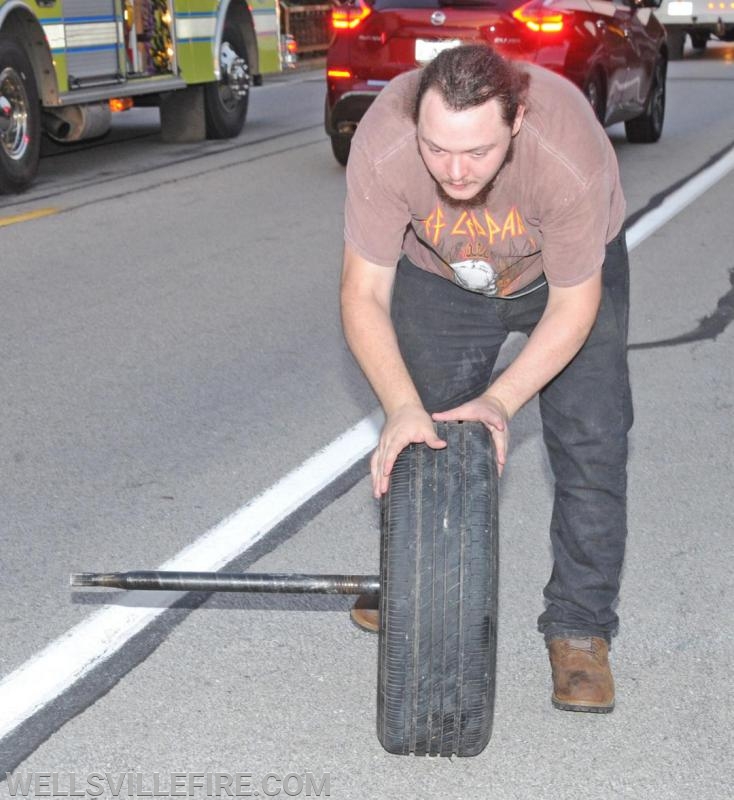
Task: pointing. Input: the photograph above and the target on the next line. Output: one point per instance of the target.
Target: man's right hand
(404, 426)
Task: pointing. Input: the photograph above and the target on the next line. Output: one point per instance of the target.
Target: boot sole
(593, 709)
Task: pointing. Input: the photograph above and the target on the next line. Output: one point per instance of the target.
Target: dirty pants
(450, 339)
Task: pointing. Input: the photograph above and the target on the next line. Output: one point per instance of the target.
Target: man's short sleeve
(376, 213)
(576, 230)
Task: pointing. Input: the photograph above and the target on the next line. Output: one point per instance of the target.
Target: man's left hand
(492, 413)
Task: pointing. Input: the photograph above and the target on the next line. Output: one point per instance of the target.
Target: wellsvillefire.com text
(169, 784)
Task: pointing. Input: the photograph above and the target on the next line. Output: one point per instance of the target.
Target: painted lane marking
(29, 215)
(675, 202)
(75, 653)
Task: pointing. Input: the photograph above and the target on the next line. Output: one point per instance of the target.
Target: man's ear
(518, 120)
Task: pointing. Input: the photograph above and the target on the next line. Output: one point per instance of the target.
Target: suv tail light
(348, 17)
(539, 17)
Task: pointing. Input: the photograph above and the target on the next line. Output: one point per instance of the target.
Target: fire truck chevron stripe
(266, 23)
(196, 27)
(55, 36)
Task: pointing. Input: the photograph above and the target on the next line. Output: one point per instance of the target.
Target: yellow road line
(29, 215)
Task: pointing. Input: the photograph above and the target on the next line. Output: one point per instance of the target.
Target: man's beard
(480, 198)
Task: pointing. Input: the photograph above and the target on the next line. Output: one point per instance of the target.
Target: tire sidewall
(16, 175)
(648, 127)
(659, 84)
(221, 122)
(340, 147)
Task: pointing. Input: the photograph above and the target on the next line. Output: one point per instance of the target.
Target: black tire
(20, 130)
(596, 95)
(648, 127)
(438, 602)
(676, 40)
(699, 40)
(226, 100)
(340, 146)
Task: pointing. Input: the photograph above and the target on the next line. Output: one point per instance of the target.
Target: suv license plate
(426, 50)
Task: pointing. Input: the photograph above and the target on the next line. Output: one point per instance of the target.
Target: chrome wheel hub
(235, 76)
(13, 114)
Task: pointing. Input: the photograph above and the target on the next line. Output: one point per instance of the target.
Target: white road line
(675, 203)
(67, 659)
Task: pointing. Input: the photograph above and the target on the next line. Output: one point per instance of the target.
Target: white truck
(699, 19)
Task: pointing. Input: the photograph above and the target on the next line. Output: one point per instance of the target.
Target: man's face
(464, 150)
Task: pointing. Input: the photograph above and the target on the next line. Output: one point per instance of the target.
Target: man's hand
(492, 412)
(406, 425)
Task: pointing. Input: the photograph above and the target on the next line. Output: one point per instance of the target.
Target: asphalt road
(171, 348)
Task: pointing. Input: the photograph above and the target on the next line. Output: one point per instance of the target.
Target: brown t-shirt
(552, 209)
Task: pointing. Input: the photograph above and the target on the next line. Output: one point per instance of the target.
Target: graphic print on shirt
(486, 251)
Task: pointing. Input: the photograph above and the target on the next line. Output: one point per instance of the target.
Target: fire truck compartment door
(94, 47)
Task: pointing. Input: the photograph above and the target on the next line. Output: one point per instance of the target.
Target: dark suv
(615, 52)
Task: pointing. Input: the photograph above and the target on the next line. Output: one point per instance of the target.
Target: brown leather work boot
(365, 613)
(582, 680)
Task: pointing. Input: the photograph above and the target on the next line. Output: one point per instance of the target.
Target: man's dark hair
(471, 75)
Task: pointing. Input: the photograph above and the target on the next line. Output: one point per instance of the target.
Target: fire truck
(66, 65)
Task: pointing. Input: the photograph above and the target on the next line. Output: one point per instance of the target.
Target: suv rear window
(385, 5)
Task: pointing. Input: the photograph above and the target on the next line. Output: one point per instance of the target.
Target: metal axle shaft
(231, 582)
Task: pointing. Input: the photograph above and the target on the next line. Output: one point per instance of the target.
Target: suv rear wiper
(483, 3)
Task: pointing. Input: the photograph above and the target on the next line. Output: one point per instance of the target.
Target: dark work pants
(450, 339)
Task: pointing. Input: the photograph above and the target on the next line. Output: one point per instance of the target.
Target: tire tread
(439, 597)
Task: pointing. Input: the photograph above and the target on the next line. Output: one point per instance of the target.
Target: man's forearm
(371, 337)
(554, 342)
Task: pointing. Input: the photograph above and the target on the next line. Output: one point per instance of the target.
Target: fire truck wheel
(225, 102)
(438, 601)
(20, 118)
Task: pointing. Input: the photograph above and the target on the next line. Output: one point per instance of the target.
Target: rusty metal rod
(230, 582)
